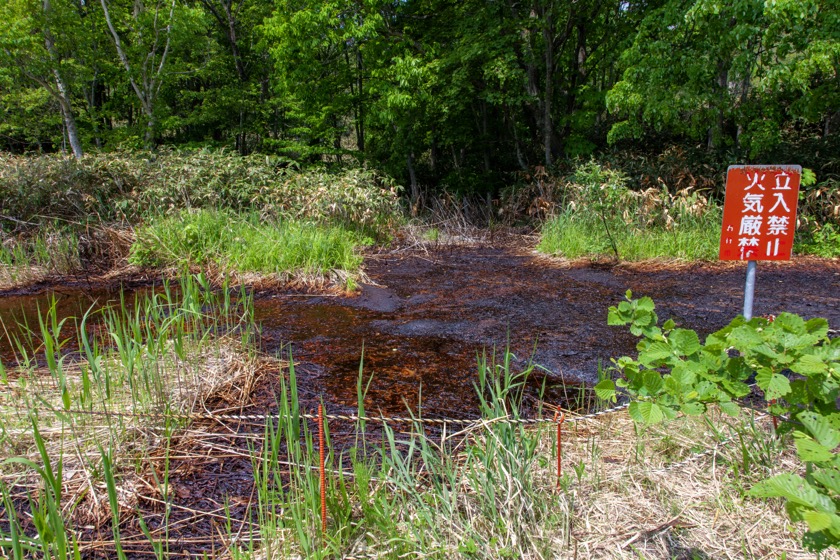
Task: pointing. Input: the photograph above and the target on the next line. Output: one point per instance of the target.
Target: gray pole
(749, 290)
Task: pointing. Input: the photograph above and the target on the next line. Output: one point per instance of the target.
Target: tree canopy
(438, 93)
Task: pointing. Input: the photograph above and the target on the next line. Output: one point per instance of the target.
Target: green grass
(245, 243)
(53, 250)
(823, 242)
(159, 353)
(576, 234)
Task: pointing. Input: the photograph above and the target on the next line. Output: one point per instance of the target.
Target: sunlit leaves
(795, 365)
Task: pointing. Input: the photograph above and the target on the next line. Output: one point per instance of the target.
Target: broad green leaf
(795, 489)
(808, 177)
(605, 390)
(686, 341)
(745, 337)
(818, 520)
(655, 353)
(614, 318)
(669, 412)
(652, 382)
(817, 327)
(730, 408)
(671, 386)
(774, 385)
(645, 304)
(646, 412)
(809, 364)
(693, 408)
(683, 374)
(790, 323)
(820, 428)
(705, 390)
(643, 319)
(829, 477)
(736, 388)
(809, 450)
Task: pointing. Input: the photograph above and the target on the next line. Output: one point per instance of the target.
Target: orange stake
(562, 417)
(323, 469)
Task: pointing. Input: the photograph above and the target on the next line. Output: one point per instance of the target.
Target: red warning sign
(759, 214)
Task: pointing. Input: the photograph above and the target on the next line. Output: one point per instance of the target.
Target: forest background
(466, 97)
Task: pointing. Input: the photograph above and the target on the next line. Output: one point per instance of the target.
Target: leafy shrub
(601, 214)
(796, 366)
(111, 187)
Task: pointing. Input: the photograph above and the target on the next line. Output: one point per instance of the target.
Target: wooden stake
(562, 417)
(323, 469)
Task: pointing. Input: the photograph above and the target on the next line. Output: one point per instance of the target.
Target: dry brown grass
(217, 379)
(655, 494)
(15, 277)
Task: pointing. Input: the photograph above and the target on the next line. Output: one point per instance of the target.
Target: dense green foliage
(796, 366)
(594, 213)
(458, 95)
(203, 208)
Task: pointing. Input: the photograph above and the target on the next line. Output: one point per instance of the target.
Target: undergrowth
(576, 234)
(76, 458)
(600, 215)
(593, 212)
(127, 187)
(244, 243)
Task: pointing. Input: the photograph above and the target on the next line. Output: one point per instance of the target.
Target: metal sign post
(759, 218)
(749, 290)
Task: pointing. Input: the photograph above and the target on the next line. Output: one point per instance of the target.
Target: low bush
(125, 186)
(592, 212)
(796, 368)
(600, 215)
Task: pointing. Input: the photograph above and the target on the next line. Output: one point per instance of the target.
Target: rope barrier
(308, 416)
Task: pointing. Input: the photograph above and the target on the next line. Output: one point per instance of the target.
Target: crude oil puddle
(429, 316)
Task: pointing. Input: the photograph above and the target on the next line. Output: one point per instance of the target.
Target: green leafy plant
(797, 368)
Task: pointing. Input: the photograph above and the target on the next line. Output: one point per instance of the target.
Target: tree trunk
(520, 159)
(548, 127)
(415, 189)
(360, 117)
(72, 133)
(486, 137)
(149, 138)
(147, 94)
(67, 113)
(234, 47)
(61, 91)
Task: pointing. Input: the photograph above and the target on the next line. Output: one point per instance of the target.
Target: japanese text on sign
(759, 215)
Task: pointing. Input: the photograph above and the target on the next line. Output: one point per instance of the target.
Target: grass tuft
(245, 243)
(574, 234)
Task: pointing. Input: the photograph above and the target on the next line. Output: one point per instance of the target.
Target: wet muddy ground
(421, 324)
(427, 316)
